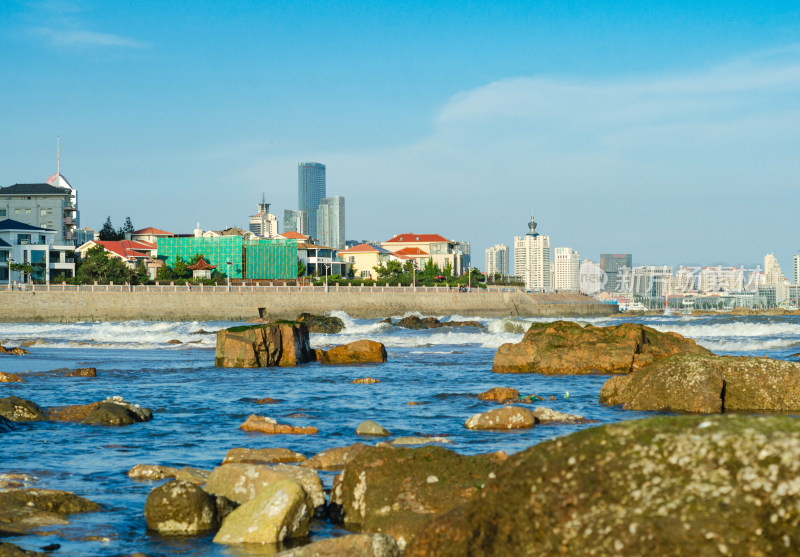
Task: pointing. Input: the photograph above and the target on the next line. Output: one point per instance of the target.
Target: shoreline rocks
(268, 345)
(262, 456)
(416, 323)
(321, 323)
(22, 510)
(567, 348)
(358, 352)
(708, 384)
(182, 508)
(241, 482)
(508, 417)
(10, 378)
(264, 424)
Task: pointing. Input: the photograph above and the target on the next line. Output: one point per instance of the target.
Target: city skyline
(665, 131)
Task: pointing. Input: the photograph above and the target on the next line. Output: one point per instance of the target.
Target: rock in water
(151, 472)
(22, 510)
(241, 482)
(500, 394)
(689, 485)
(396, 491)
(564, 347)
(273, 344)
(281, 510)
(181, 508)
(371, 428)
(359, 352)
(262, 456)
(354, 545)
(82, 372)
(10, 378)
(265, 424)
(414, 322)
(333, 458)
(11, 550)
(545, 415)
(112, 411)
(20, 410)
(321, 323)
(708, 384)
(508, 417)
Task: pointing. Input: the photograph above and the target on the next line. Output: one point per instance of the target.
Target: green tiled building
(250, 259)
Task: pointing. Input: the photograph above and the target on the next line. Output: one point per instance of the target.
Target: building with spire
(264, 223)
(532, 258)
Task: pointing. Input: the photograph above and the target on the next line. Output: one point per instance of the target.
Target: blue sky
(669, 130)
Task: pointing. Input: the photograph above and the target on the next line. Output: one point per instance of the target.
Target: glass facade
(295, 221)
(330, 222)
(310, 191)
(611, 263)
(250, 259)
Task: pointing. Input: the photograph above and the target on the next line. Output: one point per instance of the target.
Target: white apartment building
(648, 281)
(50, 206)
(264, 223)
(567, 269)
(796, 261)
(497, 260)
(532, 259)
(24, 244)
(772, 270)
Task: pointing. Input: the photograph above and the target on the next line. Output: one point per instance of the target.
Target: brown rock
(500, 394)
(174, 341)
(508, 417)
(353, 545)
(20, 410)
(18, 351)
(10, 378)
(22, 510)
(396, 491)
(192, 475)
(276, 344)
(708, 384)
(240, 482)
(332, 459)
(111, 411)
(361, 351)
(268, 425)
(82, 372)
(181, 508)
(262, 456)
(151, 472)
(267, 400)
(545, 415)
(365, 381)
(564, 347)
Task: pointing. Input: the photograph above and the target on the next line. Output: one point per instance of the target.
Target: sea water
(198, 408)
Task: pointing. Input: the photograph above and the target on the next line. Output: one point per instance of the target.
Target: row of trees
(109, 233)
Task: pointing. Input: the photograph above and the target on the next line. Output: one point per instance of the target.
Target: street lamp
(228, 263)
(9, 261)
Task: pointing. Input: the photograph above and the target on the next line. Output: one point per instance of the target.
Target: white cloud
(87, 38)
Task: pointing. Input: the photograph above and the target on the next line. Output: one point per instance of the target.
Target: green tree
(127, 227)
(448, 269)
(301, 268)
(107, 233)
(98, 266)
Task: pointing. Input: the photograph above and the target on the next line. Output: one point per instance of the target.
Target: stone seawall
(70, 306)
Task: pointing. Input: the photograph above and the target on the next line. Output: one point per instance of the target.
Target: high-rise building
(772, 270)
(611, 264)
(330, 222)
(797, 268)
(649, 281)
(295, 221)
(264, 223)
(568, 269)
(497, 260)
(310, 191)
(532, 259)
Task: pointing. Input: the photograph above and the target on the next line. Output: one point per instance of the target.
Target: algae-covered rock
(20, 410)
(321, 323)
(241, 482)
(262, 456)
(395, 491)
(181, 508)
(354, 545)
(500, 394)
(563, 347)
(708, 384)
(22, 510)
(370, 427)
(281, 510)
(689, 485)
(10, 378)
(508, 417)
(272, 344)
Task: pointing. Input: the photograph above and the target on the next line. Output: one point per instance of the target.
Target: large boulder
(113, 410)
(281, 510)
(20, 410)
(396, 491)
(182, 508)
(563, 347)
(268, 345)
(689, 485)
(417, 323)
(270, 426)
(240, 482)
(707, 384)
(508, 417)
(22, 510)
(353, 545)
(358, 352)
(321, 323)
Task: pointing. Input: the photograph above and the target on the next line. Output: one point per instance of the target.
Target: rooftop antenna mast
(58, 154)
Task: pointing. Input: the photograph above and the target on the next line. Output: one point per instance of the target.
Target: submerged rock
(417, 323)
(358, 352)
(10, 378)
(20, 410)
(369, 427)
(273, 344)
(11, 550)
(396, 491)
(151, 472)
(113, 411)
(508, 417)
(262, 456)
(500, 394)
(365, 381)
(353, 545)
(545, 415)
(18, 351)
(662, 486)
(280, 510)
(564, 347)
(181, 508)
(22, 510)
(82, 372)
(321, 323)
(708, 384)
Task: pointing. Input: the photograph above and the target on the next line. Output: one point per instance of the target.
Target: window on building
(42, 212)
(50, 211)
(364, 274)
(3, 256)
(2, 212)
(16, 211)
(27, 211)
(23, 238)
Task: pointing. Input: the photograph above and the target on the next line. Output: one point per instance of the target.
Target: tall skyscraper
(568, 269)
(330, 222)
(532, 259)
(797, 268)
(497, 260)
(264, 223)
(612, 263)
(310, 191)
(295, 221)
(772, 270)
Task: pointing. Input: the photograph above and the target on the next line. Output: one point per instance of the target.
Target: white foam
(730, 329)
(747, 345)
